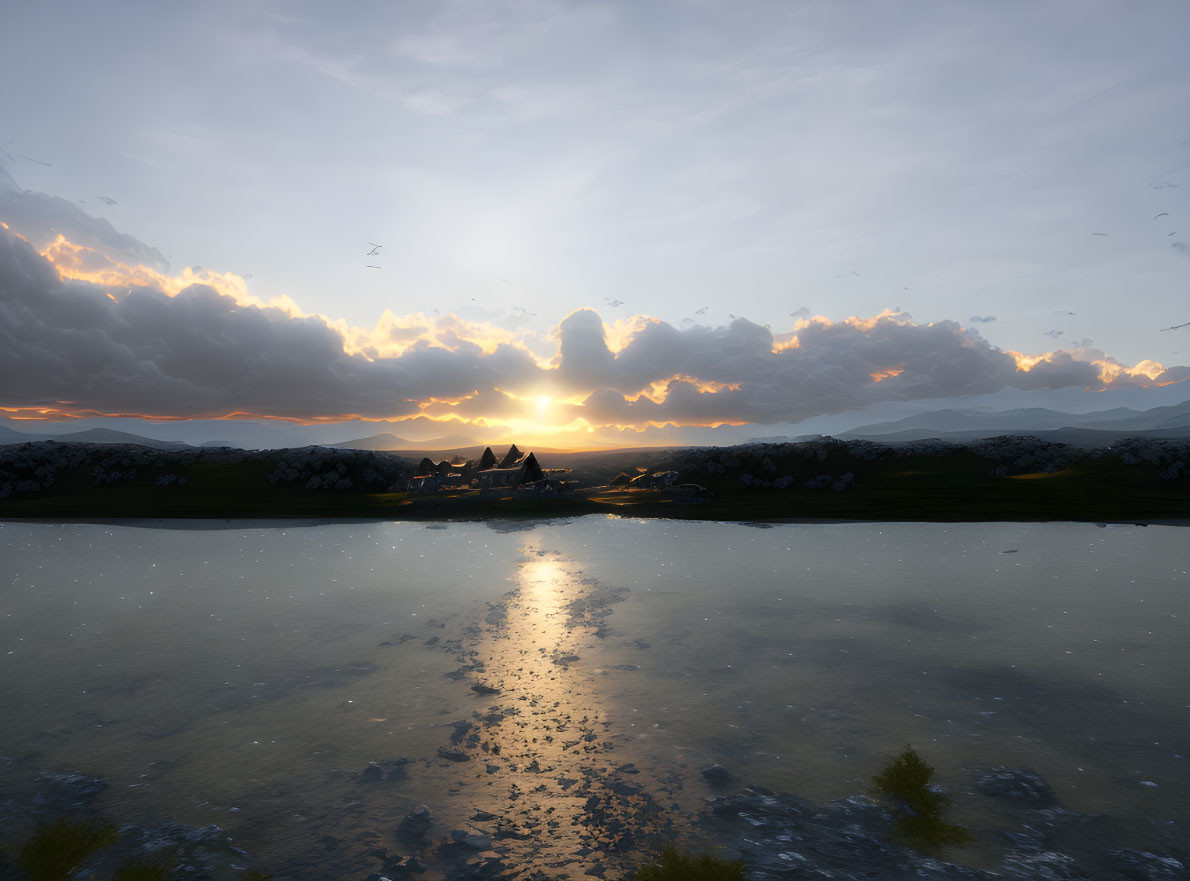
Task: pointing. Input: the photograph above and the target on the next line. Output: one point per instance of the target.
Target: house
(515, 469)
(656, 480)
(425, 483)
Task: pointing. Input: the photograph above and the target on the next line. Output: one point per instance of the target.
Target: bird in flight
(1064, 312)
(1165, 187)
(1176, 326)
(1098, 233)
(1053, 333)
(1162, 214)
(370, 266)
(613, 303)
(107, 200)
(702, 311)
(375, 249)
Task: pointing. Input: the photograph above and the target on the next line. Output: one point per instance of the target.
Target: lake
(562, 685)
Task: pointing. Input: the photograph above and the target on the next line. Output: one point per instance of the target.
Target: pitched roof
(511, 457)
(487, 460)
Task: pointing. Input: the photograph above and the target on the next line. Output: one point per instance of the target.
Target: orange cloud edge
(393, 335)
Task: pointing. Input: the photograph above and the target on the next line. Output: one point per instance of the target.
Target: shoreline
(184, 523)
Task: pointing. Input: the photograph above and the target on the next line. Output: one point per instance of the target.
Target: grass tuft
(920, 812)
(55, 851)
(674, 865)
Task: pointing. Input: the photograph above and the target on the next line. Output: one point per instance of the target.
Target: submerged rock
(413, 827)
(390, 769)
(1016, 783)
(717, 774)
(71, 790)
(471, 839)
(783, 836)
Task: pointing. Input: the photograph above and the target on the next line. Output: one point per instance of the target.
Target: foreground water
(560, 686)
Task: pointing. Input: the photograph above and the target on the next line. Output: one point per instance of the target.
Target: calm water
(246, 676)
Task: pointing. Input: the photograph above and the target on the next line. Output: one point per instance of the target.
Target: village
(521, 475)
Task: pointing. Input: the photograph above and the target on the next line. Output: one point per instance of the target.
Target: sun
(543, 404)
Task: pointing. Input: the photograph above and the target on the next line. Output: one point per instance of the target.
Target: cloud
(982, 319)
(201, 353)
(41, 219)
(69, 346)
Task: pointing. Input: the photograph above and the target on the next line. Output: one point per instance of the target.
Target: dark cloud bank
(202, 354)
(41, 218)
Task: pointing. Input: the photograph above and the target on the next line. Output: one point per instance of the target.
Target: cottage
(424, 483)
(514, 470)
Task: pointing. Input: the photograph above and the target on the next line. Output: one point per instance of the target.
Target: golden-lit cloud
(86, 333)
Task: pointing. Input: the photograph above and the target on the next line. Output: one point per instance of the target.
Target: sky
(596, 222)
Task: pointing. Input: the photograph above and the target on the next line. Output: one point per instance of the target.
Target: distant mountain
(109, 436)
(1030, 418)
(8, 436)
(90, 436)
(1156, 419)
(389, 441)
(968, 425)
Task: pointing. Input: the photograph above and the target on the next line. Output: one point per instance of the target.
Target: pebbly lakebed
(510, 699)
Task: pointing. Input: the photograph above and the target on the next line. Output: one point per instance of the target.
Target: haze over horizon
(577, 224)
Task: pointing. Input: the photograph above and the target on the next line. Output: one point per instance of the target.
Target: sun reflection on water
(552, 793)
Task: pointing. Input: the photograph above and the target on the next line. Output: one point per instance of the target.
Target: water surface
(247, 676)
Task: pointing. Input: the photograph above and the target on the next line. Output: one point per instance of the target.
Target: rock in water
(1016, 783)
(716, 774)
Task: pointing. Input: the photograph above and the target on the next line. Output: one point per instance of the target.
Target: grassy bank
(908, 494)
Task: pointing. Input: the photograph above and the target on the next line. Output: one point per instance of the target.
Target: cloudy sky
(596, 220)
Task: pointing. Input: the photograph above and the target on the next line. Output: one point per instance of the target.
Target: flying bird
(1098, 233)
(107, 200)
(702, 311)
(375, 249)
(1176, 326)
(1165, 187)
(1162, 214)
(370, 266)
(31, 159)
(1065, 312)
(613, 303)
(1053, 333)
